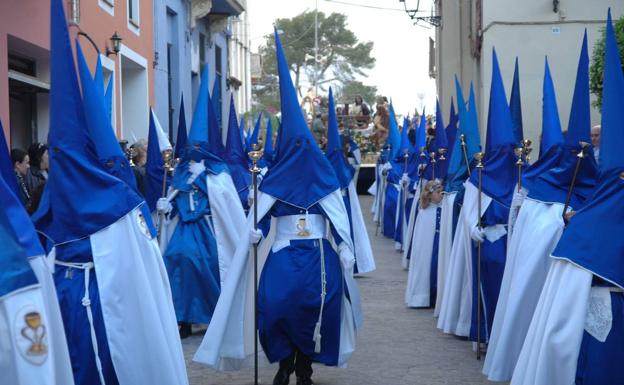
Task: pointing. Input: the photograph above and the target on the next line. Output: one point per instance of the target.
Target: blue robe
(289, 296)
(600, 363)
(191, 257)
(70, 289)
(433, 274)
(493, 256)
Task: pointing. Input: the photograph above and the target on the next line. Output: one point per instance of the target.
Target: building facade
(189, 35)
(24, 62)
(529, 30)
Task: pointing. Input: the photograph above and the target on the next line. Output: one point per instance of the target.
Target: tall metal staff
(405, 192)
(255, 155)
(382, 193)
(579, 157)
(167, 167)
(479, 157)
(432, 155)
(462, 141)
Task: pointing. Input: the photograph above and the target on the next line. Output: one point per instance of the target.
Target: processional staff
(479, 157)
(579, 157)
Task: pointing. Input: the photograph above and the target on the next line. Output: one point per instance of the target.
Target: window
(108, 6)
(133, 12)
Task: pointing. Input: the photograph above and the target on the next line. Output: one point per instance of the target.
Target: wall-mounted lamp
(116, 42)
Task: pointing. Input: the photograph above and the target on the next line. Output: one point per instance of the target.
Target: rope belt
(86, 302)
(307, 226)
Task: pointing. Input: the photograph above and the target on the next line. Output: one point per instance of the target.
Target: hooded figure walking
(308, 302)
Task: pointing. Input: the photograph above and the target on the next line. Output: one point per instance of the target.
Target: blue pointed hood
(215, 139)
(15, 271)
(98, 76)
(301, 174)
(108, 99)
(515, 105)
(440, 142)
(551, 146)
(553, 185)
(268, 144)
(235, 155)
(334, 151)
(108, 150)
(451, 133)
(199, 125)
(74, 167)
(182, 136)
(394, 137)
(500, 173)
(600, 250)
(6, 165)
(406, 146)
(421, 136)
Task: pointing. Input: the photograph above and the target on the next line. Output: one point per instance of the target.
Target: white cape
(444, 246)
(228, 218)
(363, 250)
(17, 366)
(409, 230)
(538, 228)
(418, 291)
(456, 309)
(229, 341)
(135, 296)
(551, 348)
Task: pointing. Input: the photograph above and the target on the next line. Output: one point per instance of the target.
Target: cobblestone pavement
(397, 346)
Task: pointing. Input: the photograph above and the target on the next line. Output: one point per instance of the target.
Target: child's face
(436, 196)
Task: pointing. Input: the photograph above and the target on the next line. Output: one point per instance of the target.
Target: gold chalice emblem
(34, 331)
(301, 226)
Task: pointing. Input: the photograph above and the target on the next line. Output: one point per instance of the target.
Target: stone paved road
(397, 346)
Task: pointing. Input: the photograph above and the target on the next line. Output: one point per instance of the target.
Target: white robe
(444, 246)
(408, 234)
(550, 352)
(538, 227)
(456, 309)
(136, 302)
(17, 367)
(229, 341)
(227, 214)
(418, 290)
(361, 242)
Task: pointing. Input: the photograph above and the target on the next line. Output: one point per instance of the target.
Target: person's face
(23, 166)
(44, 161)
(595, 136)
(436, 196)
(358, 100)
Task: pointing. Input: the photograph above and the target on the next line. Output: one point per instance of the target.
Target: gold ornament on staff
(255, 155)
(579, 157)
(168, 167)
(432, 155)
(462, 141)
(479, 157)
(442, 152)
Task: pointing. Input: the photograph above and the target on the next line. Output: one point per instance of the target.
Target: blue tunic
(389, 210)
(600, 363)
(493, 256)
(289, 296)
(433, 274)
(70, 289)
(191, 257)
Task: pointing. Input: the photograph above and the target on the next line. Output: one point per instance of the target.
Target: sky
(401, 49)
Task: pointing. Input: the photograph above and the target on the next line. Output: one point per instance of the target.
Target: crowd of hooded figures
(114, 266)
(110, 270)
(523, 259)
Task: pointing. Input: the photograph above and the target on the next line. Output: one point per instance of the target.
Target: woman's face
(23, 166)
(44, 161)
(436, 196)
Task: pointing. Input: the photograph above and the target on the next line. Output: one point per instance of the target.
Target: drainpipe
(75, 11)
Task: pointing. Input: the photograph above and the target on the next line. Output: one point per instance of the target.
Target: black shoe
(282, 377)
(185, 330)
(304, 381)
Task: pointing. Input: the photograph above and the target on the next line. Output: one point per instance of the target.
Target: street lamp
(413, 9)
(116, 42)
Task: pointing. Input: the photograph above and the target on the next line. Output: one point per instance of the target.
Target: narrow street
(397, 346)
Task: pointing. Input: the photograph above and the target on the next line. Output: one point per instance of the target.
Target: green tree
(596, 69)
(354, 87)
(343, 57)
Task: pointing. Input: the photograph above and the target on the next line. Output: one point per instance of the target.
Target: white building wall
(530, 30)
